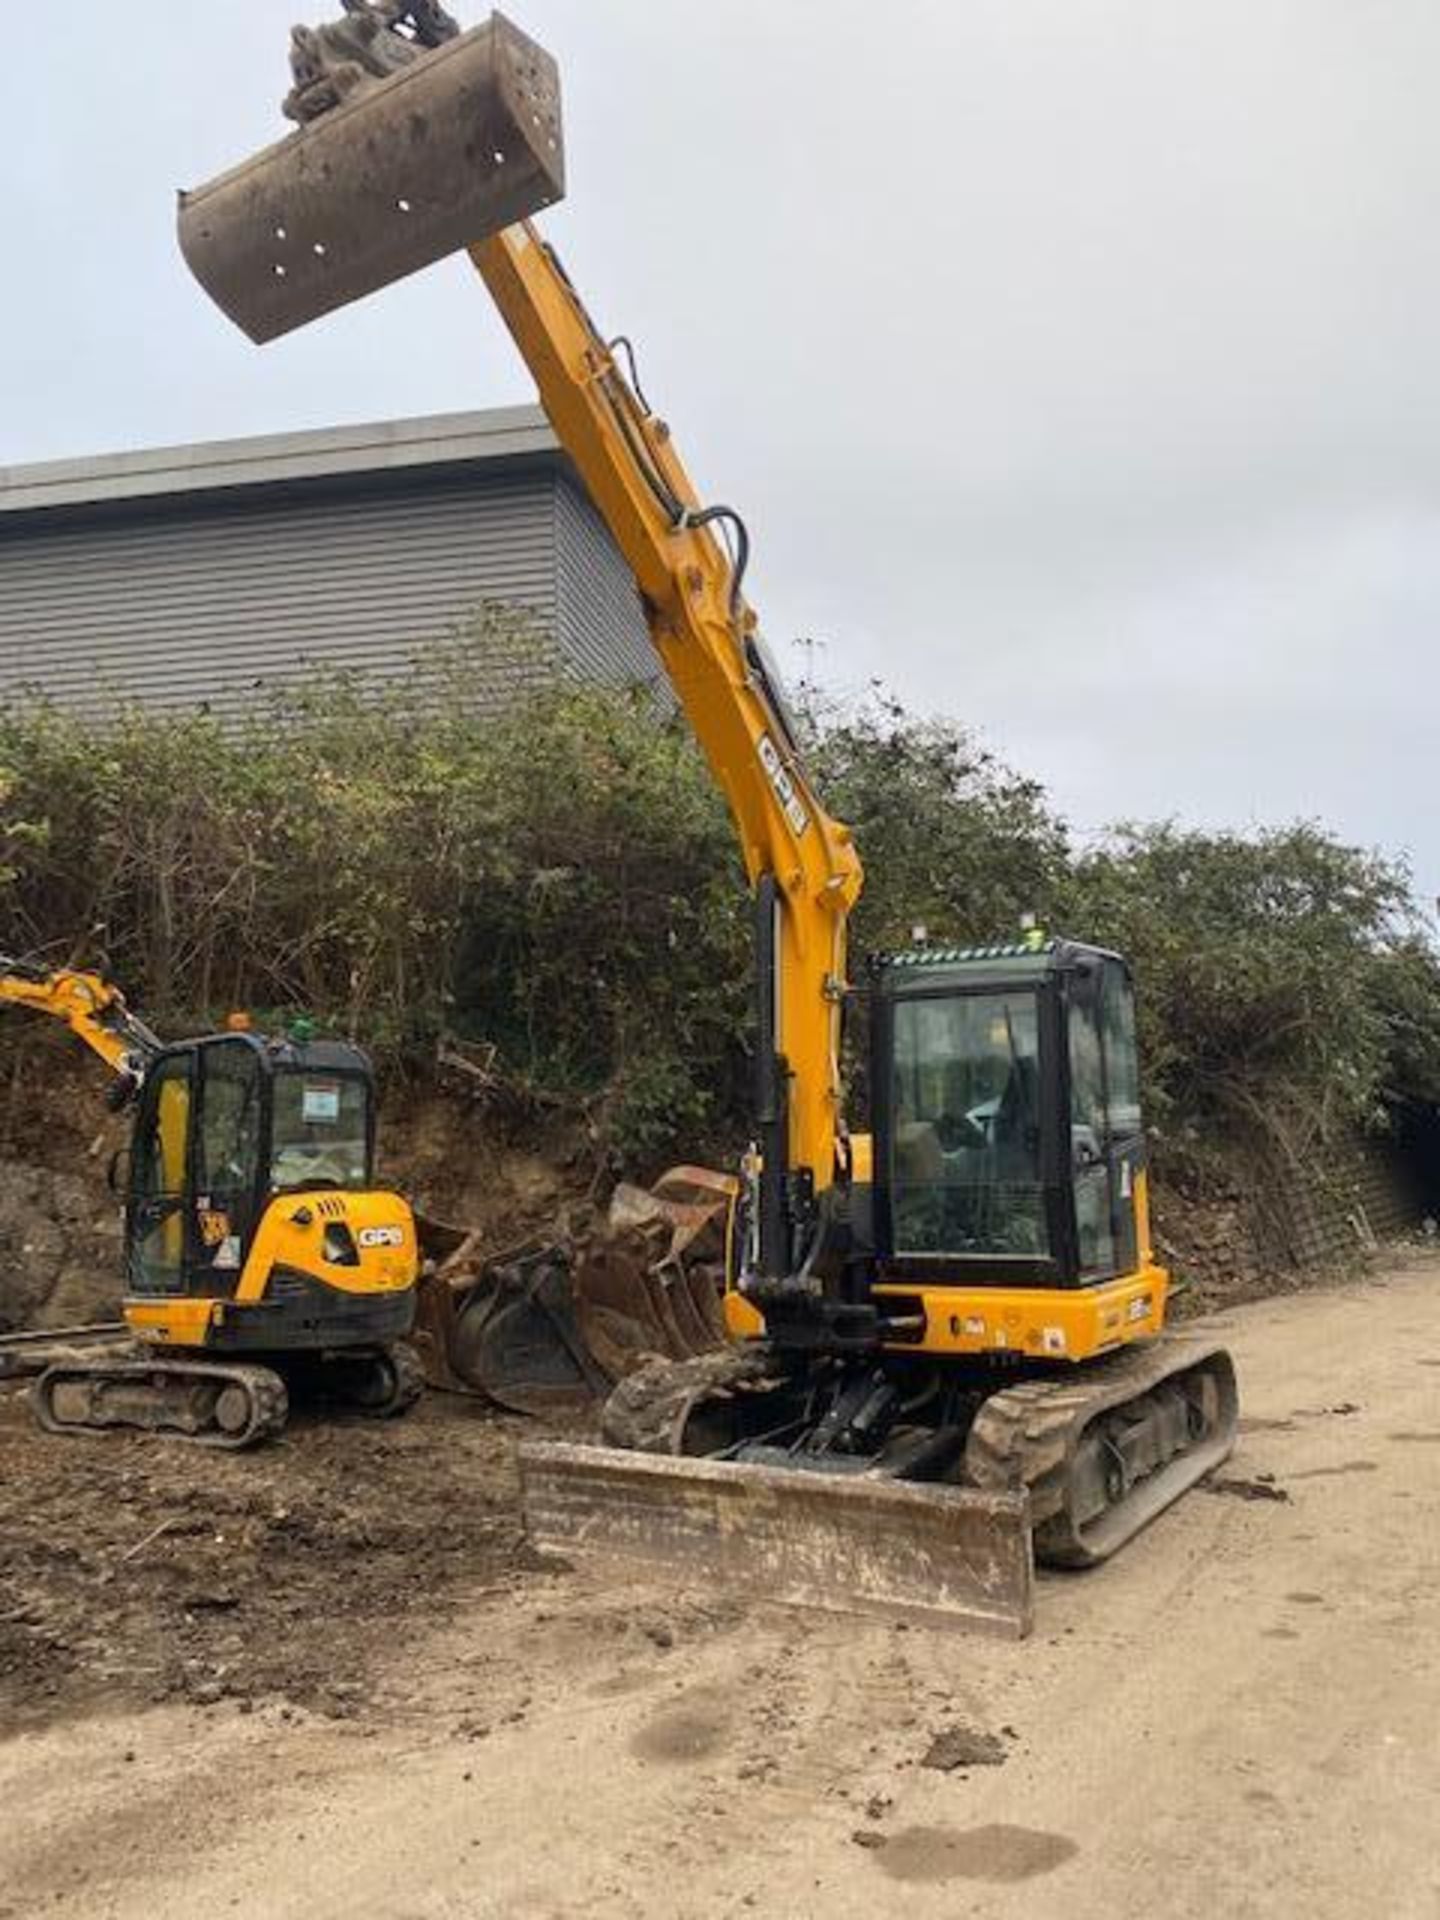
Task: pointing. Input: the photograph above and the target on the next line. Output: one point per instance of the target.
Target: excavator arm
(802, 863)
(467, 143)
(94, 1011)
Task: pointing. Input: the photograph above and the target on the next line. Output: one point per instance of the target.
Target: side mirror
(117, 1174)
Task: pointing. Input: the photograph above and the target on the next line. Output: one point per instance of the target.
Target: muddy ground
(133, 1573)
(335, 1684)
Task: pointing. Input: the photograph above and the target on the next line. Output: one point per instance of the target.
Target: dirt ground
(359, 1695)
(134, 1573)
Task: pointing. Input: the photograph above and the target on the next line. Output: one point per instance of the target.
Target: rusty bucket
(463, 142)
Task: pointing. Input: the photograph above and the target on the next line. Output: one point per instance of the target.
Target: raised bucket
(453, 148)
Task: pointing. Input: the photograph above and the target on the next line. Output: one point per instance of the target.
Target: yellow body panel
(171, 1323)
(173, 1131)
(742, 1321)
(390, 1265)
(287, 1239)
(1070, 1323)
(1142, 1217)
(862, 1159)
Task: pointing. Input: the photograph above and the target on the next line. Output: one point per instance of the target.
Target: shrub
(558, 878)
(1281, 980)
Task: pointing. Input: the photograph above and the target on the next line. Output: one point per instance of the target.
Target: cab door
(1092, 1183)
(1107, 1138)
(229, 1151)
(158, 1226)
(1124, 1127)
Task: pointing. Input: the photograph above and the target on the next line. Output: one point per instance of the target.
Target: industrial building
(184, 576)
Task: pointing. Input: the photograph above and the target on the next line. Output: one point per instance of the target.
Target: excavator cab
(1010, 1197)
(251, 1214)
(206, 1154)
(1008, 1137)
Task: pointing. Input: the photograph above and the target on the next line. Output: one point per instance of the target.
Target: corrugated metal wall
(182, 601)
(601, 625)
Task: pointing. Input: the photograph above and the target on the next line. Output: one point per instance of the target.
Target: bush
(952, 839)
(1282, 982)
(400, 859)
(559, 879)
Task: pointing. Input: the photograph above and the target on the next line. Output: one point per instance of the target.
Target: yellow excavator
(259, 1252)
(948, 1352)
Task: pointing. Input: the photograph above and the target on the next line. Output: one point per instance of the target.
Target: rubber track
(649, 1409)
(269, 1402)
(409, 1382)
(1027, 1435)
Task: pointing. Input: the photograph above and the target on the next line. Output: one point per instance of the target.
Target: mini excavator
(948, 1352)
(259, 1252)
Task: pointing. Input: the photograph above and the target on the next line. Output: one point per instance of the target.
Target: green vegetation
(559, 880)
(1287, 992)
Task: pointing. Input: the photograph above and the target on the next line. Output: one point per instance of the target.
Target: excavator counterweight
(403, 171)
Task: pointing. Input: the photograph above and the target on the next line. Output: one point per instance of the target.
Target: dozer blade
(848, 1543)
(460, 144)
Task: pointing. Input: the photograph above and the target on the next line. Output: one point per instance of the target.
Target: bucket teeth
(463, 141)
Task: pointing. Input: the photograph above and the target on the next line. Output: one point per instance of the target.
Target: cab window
(230, 1113)
(965, 1153)
(321, 1130)
(1122, 1061)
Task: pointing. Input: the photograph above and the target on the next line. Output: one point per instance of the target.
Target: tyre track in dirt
(1237, 1716)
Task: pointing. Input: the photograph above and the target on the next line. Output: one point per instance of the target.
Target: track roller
(1101, 1455)
(210, 1405)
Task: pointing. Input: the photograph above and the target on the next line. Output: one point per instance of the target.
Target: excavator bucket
(857, 1543)
(502, 1329)
(551, 1326)
(650, 1278)
(463, 141)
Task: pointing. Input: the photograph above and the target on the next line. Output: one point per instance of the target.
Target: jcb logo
(783, 783)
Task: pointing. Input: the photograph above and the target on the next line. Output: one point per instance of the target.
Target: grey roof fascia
(458, 442)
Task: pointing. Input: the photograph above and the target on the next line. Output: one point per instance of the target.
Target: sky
(1074, 362)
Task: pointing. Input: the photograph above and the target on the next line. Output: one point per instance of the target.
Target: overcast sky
(1074, 361)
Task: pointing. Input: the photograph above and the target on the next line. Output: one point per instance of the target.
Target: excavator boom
(93, 1009)
(303, 228)
(456, 149)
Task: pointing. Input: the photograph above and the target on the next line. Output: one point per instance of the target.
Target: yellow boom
(93, 1009)
(707, 636)
(465, 140)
